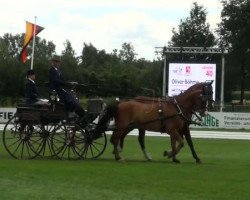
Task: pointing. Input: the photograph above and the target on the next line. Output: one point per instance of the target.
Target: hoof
(167, 154)
(149, 159)
(176, 161)
(122, 160)
(198, 161)
(118, 158)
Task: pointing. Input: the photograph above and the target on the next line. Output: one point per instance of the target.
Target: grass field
(224, 174)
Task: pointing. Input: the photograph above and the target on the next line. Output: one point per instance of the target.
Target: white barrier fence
(213, 120)
(224, 120)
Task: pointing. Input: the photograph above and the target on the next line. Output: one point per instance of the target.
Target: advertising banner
(6, 114)
(184, 75)
(225, 120)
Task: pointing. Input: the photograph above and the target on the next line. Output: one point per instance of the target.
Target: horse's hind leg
(141, 139)
(121, 141)
(115, 140)
(175, 149)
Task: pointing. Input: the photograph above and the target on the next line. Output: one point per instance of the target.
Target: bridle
(205, 98)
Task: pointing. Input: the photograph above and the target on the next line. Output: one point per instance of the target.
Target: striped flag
(31, 31)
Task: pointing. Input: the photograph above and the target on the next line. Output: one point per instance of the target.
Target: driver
(57, 83)
(31, 93)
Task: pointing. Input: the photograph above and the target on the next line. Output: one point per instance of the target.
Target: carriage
(51, 131)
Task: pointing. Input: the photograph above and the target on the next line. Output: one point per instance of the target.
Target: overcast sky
(107, 24)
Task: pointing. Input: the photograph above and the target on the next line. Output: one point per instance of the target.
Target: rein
(189, 121)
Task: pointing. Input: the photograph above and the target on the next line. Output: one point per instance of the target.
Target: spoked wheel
(93, 146)
(67, 141)
(45, 131)
(20, 139)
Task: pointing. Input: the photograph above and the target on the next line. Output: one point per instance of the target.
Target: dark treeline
(106, 74)
(121, 73)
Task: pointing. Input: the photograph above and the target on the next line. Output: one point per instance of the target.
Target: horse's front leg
(141, 139)
(190, 143)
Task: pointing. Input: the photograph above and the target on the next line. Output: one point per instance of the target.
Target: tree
(13, 44)
(127, 54)
(234, 34)
(194, 31)
(89, 55)
(43, 49)
(69, 60)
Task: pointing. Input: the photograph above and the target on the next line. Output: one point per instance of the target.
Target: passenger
(57, 83)
(31, 93)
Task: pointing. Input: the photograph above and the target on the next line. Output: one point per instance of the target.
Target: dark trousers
(76, 107)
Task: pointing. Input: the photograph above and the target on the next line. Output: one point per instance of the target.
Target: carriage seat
(94, 106)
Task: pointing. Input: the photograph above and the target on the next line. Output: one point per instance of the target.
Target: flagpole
(33, 45)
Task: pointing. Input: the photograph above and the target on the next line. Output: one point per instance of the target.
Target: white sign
(225, 120)
(184, 75)
(6, 114)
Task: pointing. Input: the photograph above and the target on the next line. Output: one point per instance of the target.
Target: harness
(162, 117)
(180, 113)
(205, 96)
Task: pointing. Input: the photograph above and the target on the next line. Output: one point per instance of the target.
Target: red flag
(28, 37)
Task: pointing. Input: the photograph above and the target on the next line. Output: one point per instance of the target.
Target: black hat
(30, 72)
(56, 58)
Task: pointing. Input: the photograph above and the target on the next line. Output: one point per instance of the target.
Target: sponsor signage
(213, 120)
(6, 114)
(225, 120)
(184, 75)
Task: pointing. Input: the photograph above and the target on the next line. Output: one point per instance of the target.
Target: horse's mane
(195, 87)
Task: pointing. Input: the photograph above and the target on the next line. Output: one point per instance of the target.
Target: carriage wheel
(20, 139)
(45, 132)
(67, 142)
(93, 148)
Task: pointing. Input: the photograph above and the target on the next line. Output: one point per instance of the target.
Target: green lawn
(224, 174)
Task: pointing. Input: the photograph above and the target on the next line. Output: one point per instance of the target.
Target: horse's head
(204, 100)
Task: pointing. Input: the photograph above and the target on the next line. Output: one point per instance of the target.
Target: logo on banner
(178, 71)
(188, 70)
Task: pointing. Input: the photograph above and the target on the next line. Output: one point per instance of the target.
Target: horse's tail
(109, 112)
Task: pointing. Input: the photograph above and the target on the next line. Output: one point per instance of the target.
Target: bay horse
(184, 132)
(170, 115)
